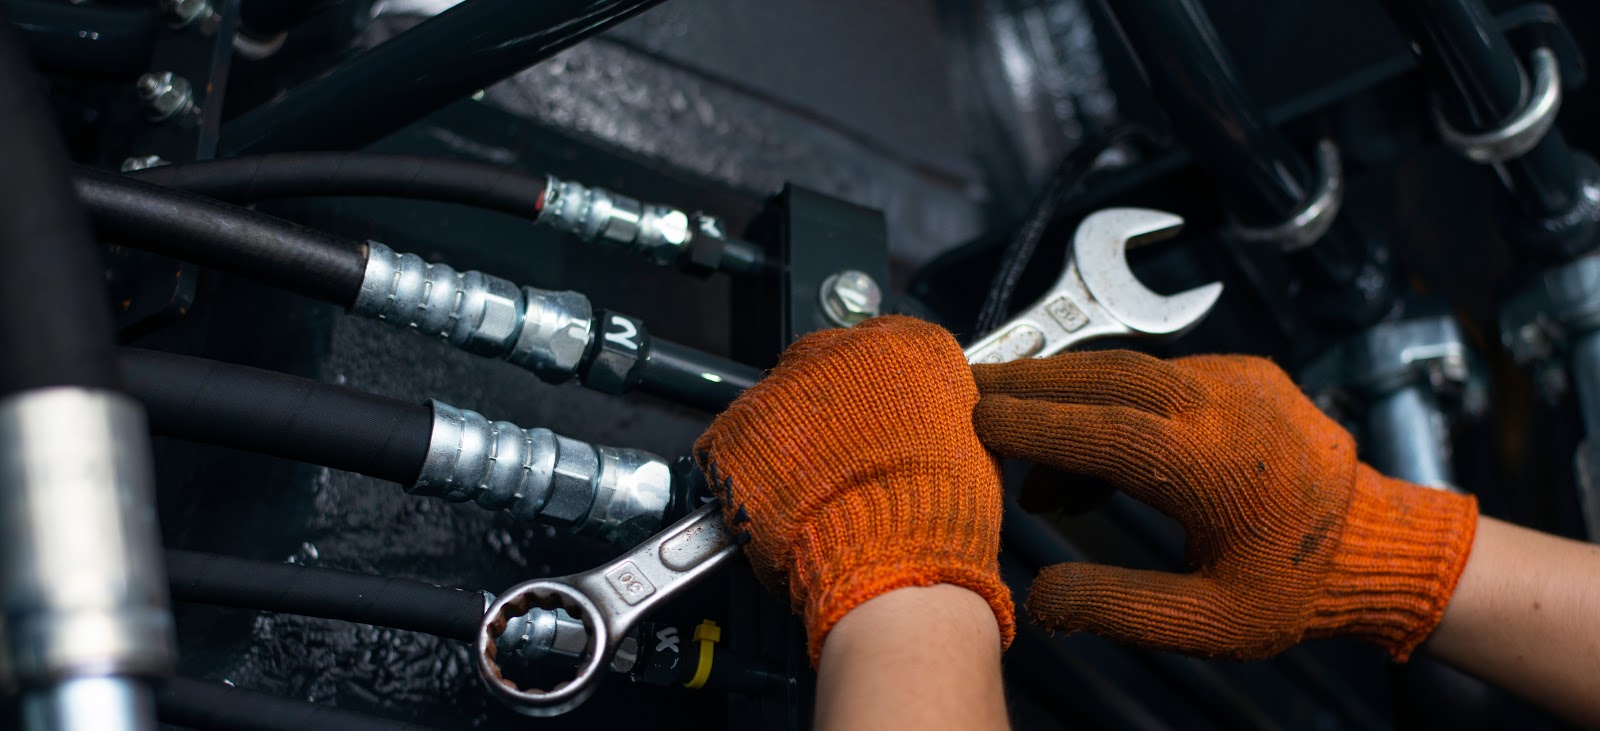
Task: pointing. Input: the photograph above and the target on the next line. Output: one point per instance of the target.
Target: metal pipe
(1481, 85)
(445, 59)
(1407, 436)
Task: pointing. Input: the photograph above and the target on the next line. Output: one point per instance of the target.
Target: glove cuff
(828, 579)
(1401, 553)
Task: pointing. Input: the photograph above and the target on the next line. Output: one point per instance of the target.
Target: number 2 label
(626, 333)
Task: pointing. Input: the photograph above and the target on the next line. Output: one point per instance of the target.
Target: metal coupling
(1391, 355)
(544, 634)
(83, 591)
(536, 474)
(658, 232)
(1560, 304)
(541, 330)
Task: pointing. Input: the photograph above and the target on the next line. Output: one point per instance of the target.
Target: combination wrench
(1097, 296)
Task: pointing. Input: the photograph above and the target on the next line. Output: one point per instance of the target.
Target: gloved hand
(854, 470)
(1290, 536)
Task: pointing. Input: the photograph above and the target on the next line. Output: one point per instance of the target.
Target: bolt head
(851, 296)
(164, 95)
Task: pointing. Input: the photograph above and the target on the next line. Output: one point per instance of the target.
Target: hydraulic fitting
(544, 331)
(545, 634)
(536, 474)
(82, 589)
(696, 242)
(658, 232)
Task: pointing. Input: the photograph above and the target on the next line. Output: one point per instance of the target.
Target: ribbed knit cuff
(1401, 553)
(829, 583)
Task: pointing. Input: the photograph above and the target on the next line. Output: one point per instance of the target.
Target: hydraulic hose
(54, 322)
(328, 593)
(248, 179)
(211, 233)
(665, 235)
(282, 415)
(86, 41)
(78, 540)
(435, 450)
(555, 334)
(205, 705)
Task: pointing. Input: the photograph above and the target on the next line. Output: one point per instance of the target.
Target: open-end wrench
(1097, 296)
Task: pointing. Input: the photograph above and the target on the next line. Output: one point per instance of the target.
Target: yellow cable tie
(707, 634)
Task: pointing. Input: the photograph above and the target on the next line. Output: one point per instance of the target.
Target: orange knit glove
(855, 471)
(1290, 536)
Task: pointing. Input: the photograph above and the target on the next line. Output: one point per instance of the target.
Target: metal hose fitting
(541, 330)
(660, 233)
(536, 474)
(82, 587)
(545, 634)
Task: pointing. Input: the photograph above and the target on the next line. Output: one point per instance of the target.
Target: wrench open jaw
(1098, 296)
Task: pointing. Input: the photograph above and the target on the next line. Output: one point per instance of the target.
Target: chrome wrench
(1097, 296)
(609, 600)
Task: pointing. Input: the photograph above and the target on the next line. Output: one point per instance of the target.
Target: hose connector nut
(555, 331)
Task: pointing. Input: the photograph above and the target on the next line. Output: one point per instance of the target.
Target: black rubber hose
(383, 601)
(222, 236)
(86, 41)
(253, 178)
(281, 415)
(202, 704)
(692, 377)
(1068, 177)
(55, 324)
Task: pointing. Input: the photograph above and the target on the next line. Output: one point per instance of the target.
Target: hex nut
(164, 95)
(705, 254)
(571, 483)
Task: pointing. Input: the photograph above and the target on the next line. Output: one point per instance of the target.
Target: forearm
(1526, 616)
(921, 658)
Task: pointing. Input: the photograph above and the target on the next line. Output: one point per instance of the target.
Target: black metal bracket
(147, 290)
